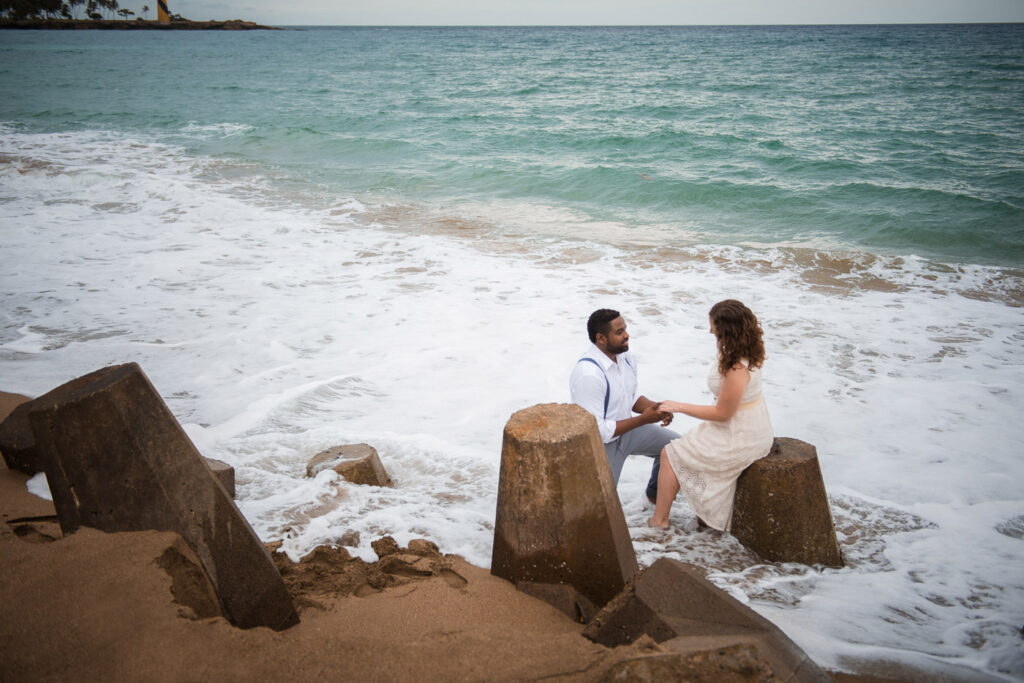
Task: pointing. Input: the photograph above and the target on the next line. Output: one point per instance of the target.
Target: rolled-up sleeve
(588, 391)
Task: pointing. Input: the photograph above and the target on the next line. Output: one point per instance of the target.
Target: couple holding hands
(706, 461)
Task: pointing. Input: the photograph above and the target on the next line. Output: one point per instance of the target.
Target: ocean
(395, 236)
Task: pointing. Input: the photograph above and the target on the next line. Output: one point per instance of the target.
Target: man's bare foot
(654, 525)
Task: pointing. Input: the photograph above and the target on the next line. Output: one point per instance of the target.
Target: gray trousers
(647, 440)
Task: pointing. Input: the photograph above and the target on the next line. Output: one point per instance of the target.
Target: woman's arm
(733, 386)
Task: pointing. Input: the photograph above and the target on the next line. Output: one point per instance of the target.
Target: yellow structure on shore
(162, 14)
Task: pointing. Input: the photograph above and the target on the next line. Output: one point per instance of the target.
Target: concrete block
(675, 605)
(357, 463)
(781, 508)
(116, 459)
(558, 518)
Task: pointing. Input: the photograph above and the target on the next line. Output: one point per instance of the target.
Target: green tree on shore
(67, 9)
(24, 9)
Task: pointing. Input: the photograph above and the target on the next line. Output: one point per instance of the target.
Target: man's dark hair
(600, 322)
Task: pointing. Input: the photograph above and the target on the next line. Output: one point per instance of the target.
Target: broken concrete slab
(116, 459)
(781, 507)
(357, 463)
(558, 518)
(673, 603)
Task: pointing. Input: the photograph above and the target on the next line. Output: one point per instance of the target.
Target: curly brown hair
(738, 333)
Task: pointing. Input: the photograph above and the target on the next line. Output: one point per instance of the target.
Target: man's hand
(650, 414)
(653, 414)
(666, 416)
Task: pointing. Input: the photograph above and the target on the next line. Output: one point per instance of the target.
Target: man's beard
(616, 350)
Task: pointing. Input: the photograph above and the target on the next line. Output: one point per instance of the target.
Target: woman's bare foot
(654, 525)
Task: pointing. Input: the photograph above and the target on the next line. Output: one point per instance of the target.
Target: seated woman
(706, 461)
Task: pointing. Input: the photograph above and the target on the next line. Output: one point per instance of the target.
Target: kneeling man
(604, 383)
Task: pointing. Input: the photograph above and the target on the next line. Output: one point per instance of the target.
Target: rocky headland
(136, 25)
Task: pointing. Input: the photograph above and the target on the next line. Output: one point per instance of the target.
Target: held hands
(655, 413)
(669, 408)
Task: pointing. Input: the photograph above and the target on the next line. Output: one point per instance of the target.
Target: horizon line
(708, 25)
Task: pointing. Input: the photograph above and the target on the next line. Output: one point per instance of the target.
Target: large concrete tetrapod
(782, 511)
(116, 459)
(559, 520)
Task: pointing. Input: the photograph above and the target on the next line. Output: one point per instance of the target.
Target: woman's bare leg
(668, 487)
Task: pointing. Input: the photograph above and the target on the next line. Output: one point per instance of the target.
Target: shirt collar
(599, 355)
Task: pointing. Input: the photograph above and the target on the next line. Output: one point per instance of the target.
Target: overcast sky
(593, 12)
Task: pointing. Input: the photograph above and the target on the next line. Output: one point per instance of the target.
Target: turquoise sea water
(888, 139)
(394, 236)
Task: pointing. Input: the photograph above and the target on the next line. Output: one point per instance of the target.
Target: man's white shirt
(588, 388)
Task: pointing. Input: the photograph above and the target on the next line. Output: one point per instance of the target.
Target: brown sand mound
(98, 606)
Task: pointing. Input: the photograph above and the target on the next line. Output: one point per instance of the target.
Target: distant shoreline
(135, 25)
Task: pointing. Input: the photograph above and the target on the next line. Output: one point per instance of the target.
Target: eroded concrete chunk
(558, 519)
(17, 443)
(116, 459)
(675, 605)
(357, 463)
(781, 509)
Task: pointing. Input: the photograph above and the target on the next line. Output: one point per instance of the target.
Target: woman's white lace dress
(710, 457)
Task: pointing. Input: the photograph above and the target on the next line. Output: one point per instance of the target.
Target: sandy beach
(96, 606)
(99, 606)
